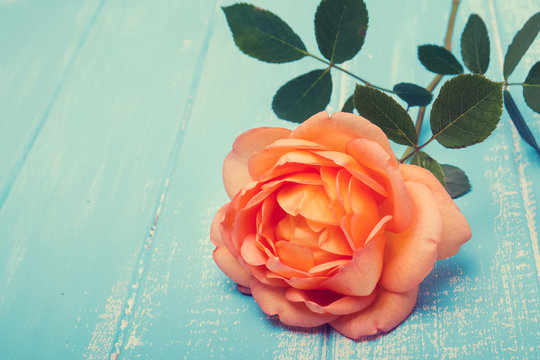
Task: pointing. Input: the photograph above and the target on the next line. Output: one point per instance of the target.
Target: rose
(325, 226)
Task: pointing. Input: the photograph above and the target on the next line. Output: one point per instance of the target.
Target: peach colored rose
(325, 226)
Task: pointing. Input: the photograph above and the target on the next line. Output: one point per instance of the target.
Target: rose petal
(245, 224)
(287, 227)
(264, 160)
(251, 254)
(305, 283)
(329, 179)
(277, 266)
(343, 179)
(215, 234)
(270, 215)
(455, 229)
(244, 289)
(410, 255)
(267, 246)
(328, 267)
(360, 276)
(307, 200)
(325, 301)
(303, 235)
(321, 257)
(307, 178)
(295, 144)
(315, 226)
(365, 213)
(353, 167)
(262, 194)
(235, 171)
(385, 171)
(228, 229)
(387, 312)
(262, 274)
(334, 241)
(265, 164)
(346, 227)
(295, 256)
(378, 229)
(231, 267)
(336, 132)
(289, 277)
(362, 199)
(273, 302)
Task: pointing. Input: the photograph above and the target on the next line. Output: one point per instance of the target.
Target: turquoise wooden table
(115, 117)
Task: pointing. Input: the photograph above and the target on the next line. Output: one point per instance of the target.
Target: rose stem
(437, 78)
(522, 84)
(433, 84)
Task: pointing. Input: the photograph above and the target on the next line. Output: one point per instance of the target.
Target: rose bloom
(325, 226)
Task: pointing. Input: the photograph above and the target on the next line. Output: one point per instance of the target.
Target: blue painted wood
(32, 72)
(105, 225)
(77, 217)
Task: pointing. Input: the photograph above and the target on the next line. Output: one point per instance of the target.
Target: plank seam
(19, 164)
(521, 161)
(139, 273)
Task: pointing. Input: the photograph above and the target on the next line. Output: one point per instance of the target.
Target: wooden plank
(75, 223)
(188, 308)
(32, 71)
(509, 21)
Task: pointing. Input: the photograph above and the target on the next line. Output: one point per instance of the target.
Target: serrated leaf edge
(435, 136)
(411, 142)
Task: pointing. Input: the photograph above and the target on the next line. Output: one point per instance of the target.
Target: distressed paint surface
(114, 120)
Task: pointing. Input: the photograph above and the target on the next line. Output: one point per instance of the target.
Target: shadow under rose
(436, 291)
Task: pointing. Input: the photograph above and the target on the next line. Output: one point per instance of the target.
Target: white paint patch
(130, 303)
(105, 329)
(528, 202)
(305, 345)
(134, 340)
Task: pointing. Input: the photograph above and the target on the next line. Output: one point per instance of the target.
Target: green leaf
(303, 96)
(531, 93)
(520, 44)
(427, 162)
(519, 122)
(386, 113)
(412, 94)
(457, 183)
(466, 111)
(263, 35)
(349, 105)
(475, 45)
(439, 60)
(340, 28)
